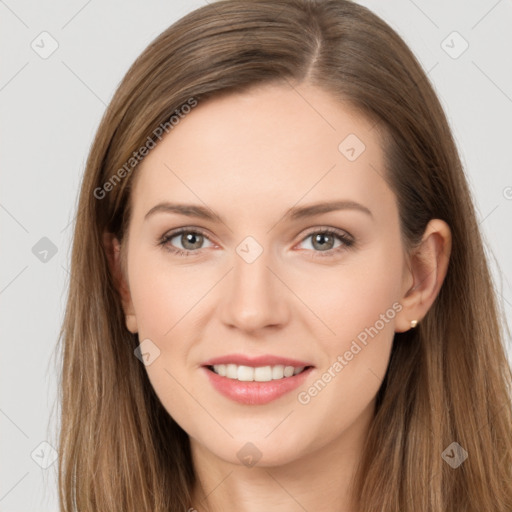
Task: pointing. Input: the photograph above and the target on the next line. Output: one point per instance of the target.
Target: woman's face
(262, 284)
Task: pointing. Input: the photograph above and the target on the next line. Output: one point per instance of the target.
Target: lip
(255, 393)
(265, 360)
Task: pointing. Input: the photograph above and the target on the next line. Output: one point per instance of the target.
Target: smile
(255, 380)
(257, 374)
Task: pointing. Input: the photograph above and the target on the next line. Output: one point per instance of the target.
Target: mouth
(255, 380)
(267, 373)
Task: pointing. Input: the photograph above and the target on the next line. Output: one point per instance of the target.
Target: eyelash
(347, 241)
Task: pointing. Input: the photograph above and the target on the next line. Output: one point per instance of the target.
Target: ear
(113, 252)
(426, 269)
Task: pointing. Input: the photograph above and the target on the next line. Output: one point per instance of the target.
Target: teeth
(257, 374)
(245, 373)
(263, 373)
(288, 371)
(278, 371)
(231, 371)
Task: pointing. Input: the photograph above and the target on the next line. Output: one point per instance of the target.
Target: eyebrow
(294, 213)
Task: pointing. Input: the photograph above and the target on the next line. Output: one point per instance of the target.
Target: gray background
(50, 109)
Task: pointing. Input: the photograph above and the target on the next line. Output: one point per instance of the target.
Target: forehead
(275, 144)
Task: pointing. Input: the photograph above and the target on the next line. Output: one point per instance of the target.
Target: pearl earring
(414, 323)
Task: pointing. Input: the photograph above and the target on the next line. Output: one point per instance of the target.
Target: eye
(191, 240)
(323, 241)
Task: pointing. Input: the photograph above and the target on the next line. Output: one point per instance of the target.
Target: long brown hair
(448, 380)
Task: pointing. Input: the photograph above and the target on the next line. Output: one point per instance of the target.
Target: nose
(254, 297)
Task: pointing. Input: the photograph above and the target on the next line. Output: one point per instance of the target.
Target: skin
(250, 157)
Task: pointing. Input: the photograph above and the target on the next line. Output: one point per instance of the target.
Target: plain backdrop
(60, 64)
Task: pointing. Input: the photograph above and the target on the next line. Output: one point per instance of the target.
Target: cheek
(358, 303)
(163, 294)
(165, 299)
(353, 296)
(359, 306)
(170, 300)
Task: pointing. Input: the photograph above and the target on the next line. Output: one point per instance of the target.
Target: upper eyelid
(178, 231)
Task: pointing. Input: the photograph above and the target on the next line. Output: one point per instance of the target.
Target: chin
(262, 450)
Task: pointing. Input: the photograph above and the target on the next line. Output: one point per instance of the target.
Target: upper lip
(265, 360)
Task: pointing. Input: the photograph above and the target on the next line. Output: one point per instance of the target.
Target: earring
(414, 323)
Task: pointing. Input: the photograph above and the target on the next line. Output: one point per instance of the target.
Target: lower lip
(255, 393)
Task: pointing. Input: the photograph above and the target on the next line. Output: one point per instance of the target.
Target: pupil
(322, 237)
(189, 238)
